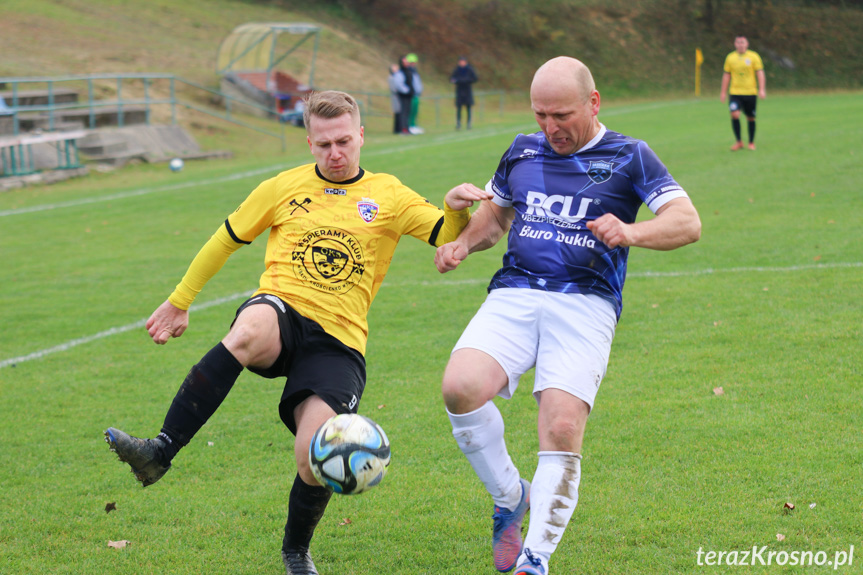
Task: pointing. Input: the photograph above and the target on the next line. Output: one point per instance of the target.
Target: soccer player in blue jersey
(567, 196)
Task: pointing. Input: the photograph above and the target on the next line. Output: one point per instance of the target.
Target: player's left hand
(611, 231)
(464, 195)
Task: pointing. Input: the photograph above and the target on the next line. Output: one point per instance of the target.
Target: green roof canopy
(253, 46)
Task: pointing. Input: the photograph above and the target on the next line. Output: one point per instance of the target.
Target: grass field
(766, 306)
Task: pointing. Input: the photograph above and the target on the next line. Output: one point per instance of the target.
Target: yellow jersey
(742, 68)
(330, 244)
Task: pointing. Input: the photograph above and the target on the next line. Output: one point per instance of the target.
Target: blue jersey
(549, 246)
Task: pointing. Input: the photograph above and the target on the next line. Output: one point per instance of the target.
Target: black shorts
(314, 363)
(744, 103)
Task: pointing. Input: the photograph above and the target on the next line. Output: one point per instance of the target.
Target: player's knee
(462, 392)
(304, 469)
(243, 336)
(254, 337)
(455, 389)
(563, 434)
(735, 115)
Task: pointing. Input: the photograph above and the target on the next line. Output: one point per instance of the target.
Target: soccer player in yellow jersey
(333, 229)
(744, 80)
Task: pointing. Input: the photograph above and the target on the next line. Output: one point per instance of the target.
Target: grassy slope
(634, 48)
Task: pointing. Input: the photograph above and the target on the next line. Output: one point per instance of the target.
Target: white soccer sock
(479, 434)
(553, 497)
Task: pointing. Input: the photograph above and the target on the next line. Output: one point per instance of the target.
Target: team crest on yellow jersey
(329, 259)
(368, 209)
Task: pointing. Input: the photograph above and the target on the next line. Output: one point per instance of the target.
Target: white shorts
(566, 336)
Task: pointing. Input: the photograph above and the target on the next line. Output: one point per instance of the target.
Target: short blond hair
(330, 104)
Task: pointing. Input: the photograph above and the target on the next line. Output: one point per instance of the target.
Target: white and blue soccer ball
(349, 454)
(176, 164)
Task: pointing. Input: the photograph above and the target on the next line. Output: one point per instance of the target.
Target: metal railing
(121, 106)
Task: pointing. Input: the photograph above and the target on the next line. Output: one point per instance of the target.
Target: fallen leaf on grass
(210, 444)
(812, 506)
(119, 544)
(109, 507)
(780, 537)
(789, 506)
(718, 390)
(381, 406)
(345, 521)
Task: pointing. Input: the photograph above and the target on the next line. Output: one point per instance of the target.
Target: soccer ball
(176, 164)
(349, 454)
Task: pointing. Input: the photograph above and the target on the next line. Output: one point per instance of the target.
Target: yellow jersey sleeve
(454, 222)
(206, 264)
(427, 222)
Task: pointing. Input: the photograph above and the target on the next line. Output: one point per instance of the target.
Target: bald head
(565, 104)
(563, 76)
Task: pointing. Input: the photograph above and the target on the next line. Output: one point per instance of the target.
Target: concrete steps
(151, 144)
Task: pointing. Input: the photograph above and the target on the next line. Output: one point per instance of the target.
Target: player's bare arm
(726, 79)
(166, 322)
(676, 224)
(486, 227)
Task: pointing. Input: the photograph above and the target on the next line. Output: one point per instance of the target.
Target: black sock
(305, 509)
(735, 125)
(202, 392)
(751, 131)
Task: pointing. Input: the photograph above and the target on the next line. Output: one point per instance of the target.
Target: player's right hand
(449, 256)
(464, 195)
(166, 322)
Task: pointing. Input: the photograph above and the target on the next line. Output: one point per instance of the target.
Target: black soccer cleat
(298, 562)
(144, 456)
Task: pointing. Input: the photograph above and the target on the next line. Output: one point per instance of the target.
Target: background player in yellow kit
(333, 230)
(744, 73)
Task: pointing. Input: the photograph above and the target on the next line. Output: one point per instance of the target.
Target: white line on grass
(414, 145)
(444, 282)
(109, 332)
(143, 191)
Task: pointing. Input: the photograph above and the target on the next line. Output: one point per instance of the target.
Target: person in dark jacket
(463, 77)
(406, 97)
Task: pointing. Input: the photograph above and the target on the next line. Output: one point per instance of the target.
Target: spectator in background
(417, 86)
(744, 73)
(406, 95)
(397, 87)
(463, 77)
